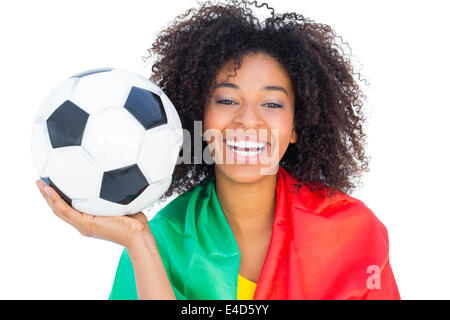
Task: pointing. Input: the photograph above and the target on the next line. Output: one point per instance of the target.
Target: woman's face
(256, 105)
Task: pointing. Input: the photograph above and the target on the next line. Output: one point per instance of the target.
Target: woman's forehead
(258, 71)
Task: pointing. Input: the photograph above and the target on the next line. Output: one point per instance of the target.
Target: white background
(401, 48)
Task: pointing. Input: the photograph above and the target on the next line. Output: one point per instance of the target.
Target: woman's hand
(131, 231)
(123, 230)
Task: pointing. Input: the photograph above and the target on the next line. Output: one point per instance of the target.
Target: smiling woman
(259, 105)
(281, 96)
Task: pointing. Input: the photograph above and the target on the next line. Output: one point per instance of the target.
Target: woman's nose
(248, 116)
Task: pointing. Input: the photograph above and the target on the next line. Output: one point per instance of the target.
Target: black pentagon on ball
(66, 125)
(50, 183)
(86, 73)
(146, 107)
(123, 185)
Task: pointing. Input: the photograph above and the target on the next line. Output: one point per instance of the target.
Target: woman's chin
(244, 173)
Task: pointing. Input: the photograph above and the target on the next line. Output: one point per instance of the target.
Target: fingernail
(47, 190)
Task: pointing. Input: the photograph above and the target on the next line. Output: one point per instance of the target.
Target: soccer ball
(107, 140)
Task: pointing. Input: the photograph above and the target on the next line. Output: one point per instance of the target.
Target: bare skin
(248, 197)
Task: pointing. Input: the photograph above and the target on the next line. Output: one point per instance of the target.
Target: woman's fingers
(41, 186)
(119, 229)
(59, 206)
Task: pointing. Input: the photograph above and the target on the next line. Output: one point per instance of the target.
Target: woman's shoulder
(341, 212)
(352, 216)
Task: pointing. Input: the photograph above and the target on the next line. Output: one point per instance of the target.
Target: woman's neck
(248, 207)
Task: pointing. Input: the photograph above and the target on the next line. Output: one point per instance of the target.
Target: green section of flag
(196, 245)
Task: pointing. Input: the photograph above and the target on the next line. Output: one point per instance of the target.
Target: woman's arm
(151, 277)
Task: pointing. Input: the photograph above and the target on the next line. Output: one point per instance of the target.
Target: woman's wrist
(139, 241)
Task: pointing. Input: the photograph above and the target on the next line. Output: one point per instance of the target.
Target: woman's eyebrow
(234, 86)
(275, 88)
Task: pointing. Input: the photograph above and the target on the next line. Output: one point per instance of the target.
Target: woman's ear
(293, 137)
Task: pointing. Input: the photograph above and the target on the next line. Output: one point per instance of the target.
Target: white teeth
(260, 147)
(246, 153)
(245, 144)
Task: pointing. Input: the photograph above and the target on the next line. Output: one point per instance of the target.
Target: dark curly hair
(328, 101)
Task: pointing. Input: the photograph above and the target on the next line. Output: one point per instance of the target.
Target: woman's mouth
(245, 151)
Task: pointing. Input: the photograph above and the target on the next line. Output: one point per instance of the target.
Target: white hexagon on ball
(174, 119)
(74, 173)
(113, 138)
(159, 143)
(40, 147)
(99, 91)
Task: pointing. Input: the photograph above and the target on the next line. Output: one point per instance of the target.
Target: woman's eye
(274, 105)
(269, 104)
(224, 101)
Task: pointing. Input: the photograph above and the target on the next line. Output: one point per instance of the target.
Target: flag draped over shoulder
(320, 248)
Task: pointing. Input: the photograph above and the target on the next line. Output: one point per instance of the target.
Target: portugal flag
(320, 248)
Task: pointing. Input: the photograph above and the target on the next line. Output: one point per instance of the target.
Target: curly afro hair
(328, 116)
